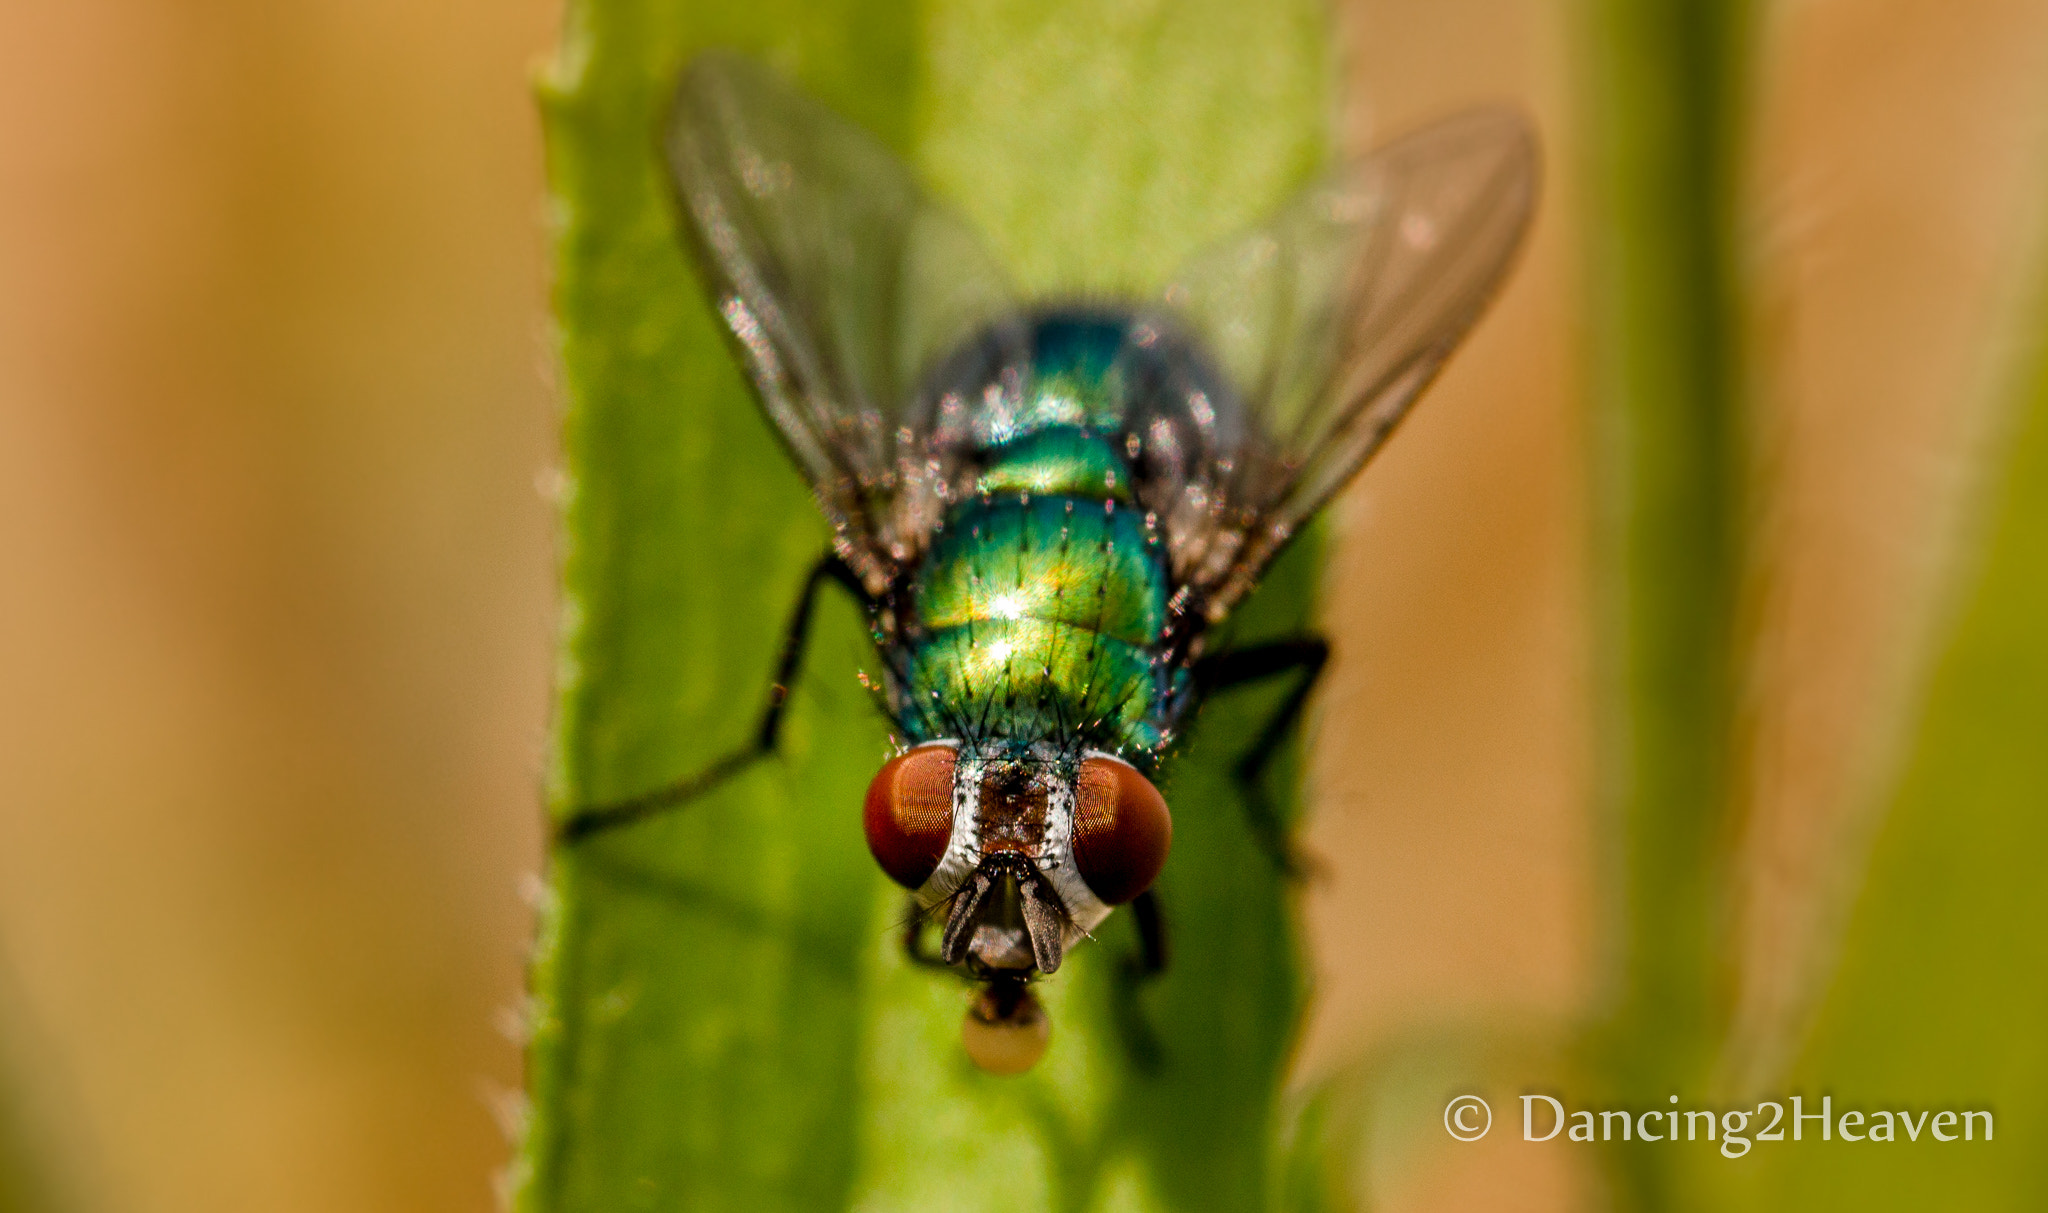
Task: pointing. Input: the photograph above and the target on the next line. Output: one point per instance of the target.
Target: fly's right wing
(1328, 321)
(843, 282)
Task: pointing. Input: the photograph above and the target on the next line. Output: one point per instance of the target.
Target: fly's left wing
(1328, 320)
(842, 282)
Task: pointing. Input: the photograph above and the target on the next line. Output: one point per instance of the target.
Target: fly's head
(1019, 852)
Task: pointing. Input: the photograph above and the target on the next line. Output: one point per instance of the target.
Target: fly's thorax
(1057, 461)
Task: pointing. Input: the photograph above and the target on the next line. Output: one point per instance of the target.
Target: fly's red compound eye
(909, 813)
(1121, 829)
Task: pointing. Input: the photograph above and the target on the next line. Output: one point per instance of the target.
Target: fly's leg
(1304, 655)
(1152, 955)
(600, 818)
(1146, 1050)
(913, 941)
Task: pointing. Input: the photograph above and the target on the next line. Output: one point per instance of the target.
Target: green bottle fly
(1046, 509)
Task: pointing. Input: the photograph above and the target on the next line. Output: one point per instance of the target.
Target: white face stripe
(1084, 908)
(963, 847)
(1055, 860)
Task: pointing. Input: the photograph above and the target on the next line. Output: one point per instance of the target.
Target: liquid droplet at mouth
(1006, 1029)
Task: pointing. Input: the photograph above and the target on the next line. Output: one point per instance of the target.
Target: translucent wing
(843, 282)
(1330, 319)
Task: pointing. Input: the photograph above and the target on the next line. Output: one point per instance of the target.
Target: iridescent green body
(1039, 610)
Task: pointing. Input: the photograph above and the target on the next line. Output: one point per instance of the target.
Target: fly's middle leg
(599, 818)
(1139, 970)
(1304, 656)
(1152, 956)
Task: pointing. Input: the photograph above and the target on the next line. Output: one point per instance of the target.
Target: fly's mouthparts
(961, 922)
(1006, 920)
(1042, 921)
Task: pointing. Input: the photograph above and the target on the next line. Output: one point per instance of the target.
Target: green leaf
(724, 1019)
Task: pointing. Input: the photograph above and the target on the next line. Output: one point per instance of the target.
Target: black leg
(599, 818)
(1147, 1052)
(913, 941)
(1152, 956)
(1305, 655)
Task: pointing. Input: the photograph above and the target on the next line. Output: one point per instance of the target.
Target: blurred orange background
(277, 628)
(277, 633)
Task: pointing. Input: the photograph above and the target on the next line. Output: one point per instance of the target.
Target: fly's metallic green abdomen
(1038, 612)
(1037, 620)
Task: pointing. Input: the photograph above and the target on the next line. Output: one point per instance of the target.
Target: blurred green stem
(1665, 106)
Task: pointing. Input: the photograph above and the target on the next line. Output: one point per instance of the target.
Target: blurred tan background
(276, 626)
(275, 631)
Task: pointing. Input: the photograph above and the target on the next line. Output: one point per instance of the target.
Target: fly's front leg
(1305, 656)
(599, 818)
(913, 940)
